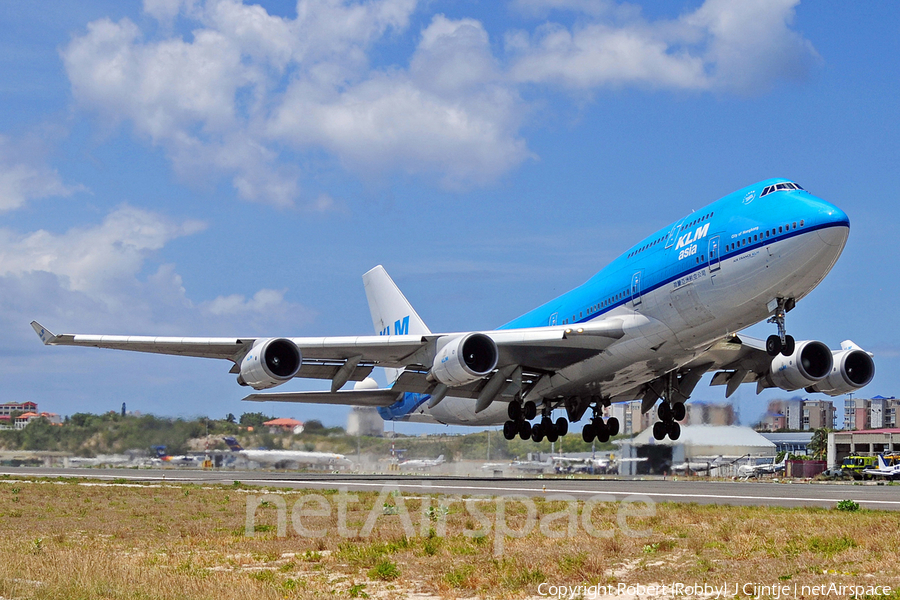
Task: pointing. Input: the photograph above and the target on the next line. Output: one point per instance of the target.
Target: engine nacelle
(810, 362)
(853, 368)
(465, 359)
(269, 363)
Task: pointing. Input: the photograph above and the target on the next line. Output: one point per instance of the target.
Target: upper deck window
(778, 187)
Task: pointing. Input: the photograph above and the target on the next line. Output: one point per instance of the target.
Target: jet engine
(853, 368)
(810, 362)
(269, 363)
(465, 359)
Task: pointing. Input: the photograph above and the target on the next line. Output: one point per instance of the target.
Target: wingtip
(45, 334)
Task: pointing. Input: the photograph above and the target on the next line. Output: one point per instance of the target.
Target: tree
(253, 419)
(230, 418)
(314, 426)
(818, 445)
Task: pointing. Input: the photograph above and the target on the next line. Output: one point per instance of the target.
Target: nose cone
(832, 223)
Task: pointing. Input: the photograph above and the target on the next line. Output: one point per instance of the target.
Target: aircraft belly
(461, 411)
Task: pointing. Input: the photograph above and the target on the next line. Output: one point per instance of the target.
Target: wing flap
(343, 397)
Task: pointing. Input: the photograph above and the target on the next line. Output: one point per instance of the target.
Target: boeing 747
(648, 326)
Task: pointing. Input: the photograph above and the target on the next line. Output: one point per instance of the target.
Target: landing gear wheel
(562, 426)
(773, 345)
(674, 431)
(525, 430)
(679, 412)
(664, 411)
(537, 433)
(659, 431)
(529, 410)
(612, 425)
(552, 436)
(514, 410)
(588, 433)
(602, 434)
(789, 345)
(510, 430)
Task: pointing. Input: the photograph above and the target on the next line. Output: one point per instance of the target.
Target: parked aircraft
(421, 464)
(180, 460)
(648, 326)
(883, 469)
(763, 469)
(286, 458)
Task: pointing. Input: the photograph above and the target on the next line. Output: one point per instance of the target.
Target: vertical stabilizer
(392, 314)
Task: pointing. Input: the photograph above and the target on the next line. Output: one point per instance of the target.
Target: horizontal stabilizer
(343, 397)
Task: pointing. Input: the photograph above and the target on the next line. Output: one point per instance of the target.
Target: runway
(827, 495)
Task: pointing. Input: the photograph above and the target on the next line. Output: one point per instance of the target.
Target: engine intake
(269, 363)
(852, 370)
(465, 359)
(810, 362)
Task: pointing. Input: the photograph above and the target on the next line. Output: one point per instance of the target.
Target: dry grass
(65, 539)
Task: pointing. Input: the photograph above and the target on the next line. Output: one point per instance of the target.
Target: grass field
(70, 538)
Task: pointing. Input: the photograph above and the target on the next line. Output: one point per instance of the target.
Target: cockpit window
(778, 187)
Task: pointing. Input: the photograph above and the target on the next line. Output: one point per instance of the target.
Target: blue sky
(218, 168)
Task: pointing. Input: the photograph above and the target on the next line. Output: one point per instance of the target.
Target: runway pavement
(762, 493)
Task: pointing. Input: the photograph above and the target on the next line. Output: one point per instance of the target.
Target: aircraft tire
(679, 412)
(612, 424)
(602, 435)
(510, 430)
(659, 431)
(537, 433)
(674, 431)
(588, 433)
(773, 345)
(525, 430)
(789, 345)
(562, 426)
(664, 411)
(529, 410)
(514, 410)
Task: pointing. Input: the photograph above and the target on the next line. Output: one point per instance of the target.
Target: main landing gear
(519, 416)
(781, 342)
(668, 415)
(597, 429)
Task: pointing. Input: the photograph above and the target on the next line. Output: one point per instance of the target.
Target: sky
(218, 168)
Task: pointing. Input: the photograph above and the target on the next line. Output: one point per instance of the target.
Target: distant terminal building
(794, 442)
(870, 413)
(365, 420)
(709, 413)
(799, 414)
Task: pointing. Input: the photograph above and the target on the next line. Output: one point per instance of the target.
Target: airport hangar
(866, 442)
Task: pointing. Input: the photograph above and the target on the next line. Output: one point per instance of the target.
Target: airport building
(866, 442)
(697, 444)
(7, 409)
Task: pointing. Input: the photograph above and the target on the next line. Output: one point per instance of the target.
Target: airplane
(282, 458)
(771, 468)
(422, 463)
(883, 469)
(180, 460)
(647, 326)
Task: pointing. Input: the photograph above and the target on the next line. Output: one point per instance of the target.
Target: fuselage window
(801, 222)
(795, 224)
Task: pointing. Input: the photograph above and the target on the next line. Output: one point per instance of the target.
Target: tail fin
(232, 443)
(392, 314)
(881, 464)
(440, 459)
(160, 451)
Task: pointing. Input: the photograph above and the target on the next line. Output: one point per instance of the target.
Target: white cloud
(735, 46)
(248, 93)
(24, 176)
(250, 87)
(96, 276)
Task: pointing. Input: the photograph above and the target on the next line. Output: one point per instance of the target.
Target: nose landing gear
(781, 342)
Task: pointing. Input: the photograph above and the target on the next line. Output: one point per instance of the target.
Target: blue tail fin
(232, 443)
